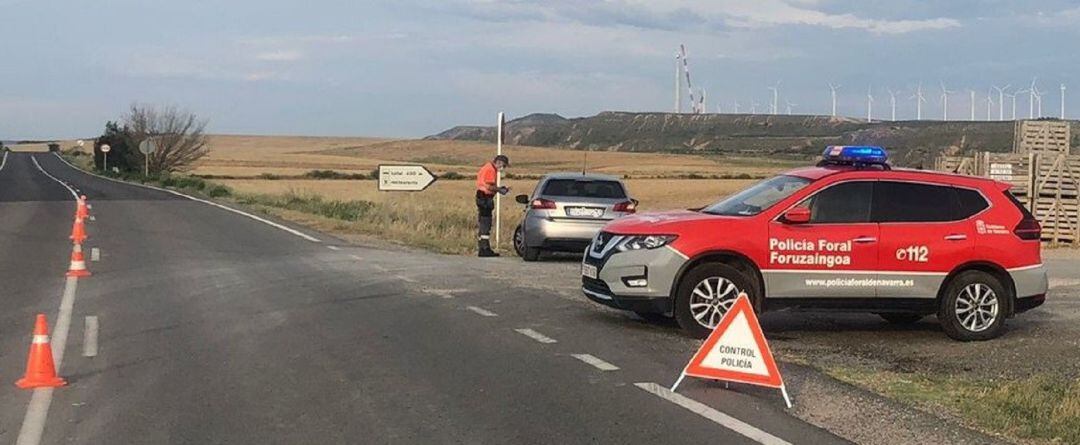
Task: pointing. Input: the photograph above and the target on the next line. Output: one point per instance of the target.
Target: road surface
(215, 327)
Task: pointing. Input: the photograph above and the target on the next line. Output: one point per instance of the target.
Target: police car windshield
(758, 197)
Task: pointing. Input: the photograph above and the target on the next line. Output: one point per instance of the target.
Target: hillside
(910, 142)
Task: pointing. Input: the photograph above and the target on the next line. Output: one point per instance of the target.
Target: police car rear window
(970, 201)
(584, 188)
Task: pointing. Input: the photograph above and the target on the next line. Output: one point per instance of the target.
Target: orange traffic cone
(82, 211)
(40, 369)
(78, 263)
(78, 231)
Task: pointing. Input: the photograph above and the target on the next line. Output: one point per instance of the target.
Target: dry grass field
(443, 217)
(250, 156)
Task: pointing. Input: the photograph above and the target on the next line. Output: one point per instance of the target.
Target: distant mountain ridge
(909, 142)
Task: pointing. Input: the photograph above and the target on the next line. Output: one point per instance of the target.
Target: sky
(409, 68)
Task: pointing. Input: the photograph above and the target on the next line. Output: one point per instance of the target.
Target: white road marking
(482, 311)
(405, 278)
(68, 187)
(356, 257)
(444, 293)
(92, 218)
(95, 254)
(333, 247)
(226, 208)
(3, 162)
(38, 410)
(596, 362)
(378, 268)
(1063, 282)
(536, 336)
(751, 432)
(90, 336)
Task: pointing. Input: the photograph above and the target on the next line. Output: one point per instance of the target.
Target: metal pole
(498, 181)
(146, 165)
(106, 155)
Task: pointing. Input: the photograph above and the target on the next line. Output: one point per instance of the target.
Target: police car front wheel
(705, 294)
(973, 307)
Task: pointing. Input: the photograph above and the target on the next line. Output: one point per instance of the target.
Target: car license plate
(587, 212)
(588, 270)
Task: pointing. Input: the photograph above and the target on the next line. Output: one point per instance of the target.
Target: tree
(179, 136)
(121, 155)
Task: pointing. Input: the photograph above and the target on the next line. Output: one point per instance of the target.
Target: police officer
(486, 188)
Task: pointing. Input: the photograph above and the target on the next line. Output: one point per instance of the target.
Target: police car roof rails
(858, 156)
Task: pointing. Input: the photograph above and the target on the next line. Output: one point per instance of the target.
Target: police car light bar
(856, 155)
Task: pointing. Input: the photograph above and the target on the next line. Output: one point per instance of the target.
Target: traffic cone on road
(78, 231)
(83, 211)
(40, 368)
(78, 263)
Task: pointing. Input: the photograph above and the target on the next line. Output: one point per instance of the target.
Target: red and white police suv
(848, 234)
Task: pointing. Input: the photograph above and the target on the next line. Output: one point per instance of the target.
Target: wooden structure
(1045, 177)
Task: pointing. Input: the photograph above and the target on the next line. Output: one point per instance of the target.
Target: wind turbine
(1038, 102)
(1001, 101)
(1062, 101)
(1013, 96)
(833, 88)
(869, 104)
(775, 97)
(892, 102)
(1031, 98)
(919, 100)
(753, 107)
(789, 106)
(736, 106)
(973, 106)
(945, 102)
(686, 70)
(678, 82)
(701, 105)
(989, 104)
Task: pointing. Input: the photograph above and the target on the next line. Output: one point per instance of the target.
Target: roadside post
(498, 178)
(736, 351)
(147, 146)
(105, 155)
(404, 178)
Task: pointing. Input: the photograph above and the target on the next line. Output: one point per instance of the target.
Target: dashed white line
(211, 203)
(92, 218)
(90, 336)
(95, 254)
(482, 311)
(536, 336)
(333, 247)
(405, 278)
(3, 162)
(378, 268)
(751, 432)
(356, 257)
(596, 362)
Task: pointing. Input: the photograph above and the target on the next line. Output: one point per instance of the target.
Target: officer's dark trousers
(485, 204)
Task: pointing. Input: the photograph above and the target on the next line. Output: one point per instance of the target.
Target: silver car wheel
(519, 239)
(711, 299)
(976, 307)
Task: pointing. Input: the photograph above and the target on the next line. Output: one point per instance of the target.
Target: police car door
(923, 237)
(834, 254)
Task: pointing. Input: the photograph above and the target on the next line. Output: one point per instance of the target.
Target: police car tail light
(855, 155)
(1028, 229)
(626, 207)
(542, 204)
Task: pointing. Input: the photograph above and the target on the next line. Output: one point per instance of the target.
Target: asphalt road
(218, 328)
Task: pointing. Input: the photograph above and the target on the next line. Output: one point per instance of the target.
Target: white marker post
(498, 178)
(105, 155)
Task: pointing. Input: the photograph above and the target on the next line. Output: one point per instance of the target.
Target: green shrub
(217, 191)
(452, 176)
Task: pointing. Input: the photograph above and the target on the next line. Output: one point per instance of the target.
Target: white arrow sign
(404, 178)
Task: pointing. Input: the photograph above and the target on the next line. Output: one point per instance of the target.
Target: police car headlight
(646, 242)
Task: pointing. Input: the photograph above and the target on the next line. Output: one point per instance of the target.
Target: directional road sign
(404, 178)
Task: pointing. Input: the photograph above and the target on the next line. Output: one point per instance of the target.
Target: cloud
(280, 56)
(685, 14)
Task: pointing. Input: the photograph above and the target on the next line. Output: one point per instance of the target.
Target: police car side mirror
(797, 215)
(522, 199)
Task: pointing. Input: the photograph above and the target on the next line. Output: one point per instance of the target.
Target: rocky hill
(909, 142)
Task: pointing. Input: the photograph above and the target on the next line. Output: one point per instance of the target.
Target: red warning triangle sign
(736, 350)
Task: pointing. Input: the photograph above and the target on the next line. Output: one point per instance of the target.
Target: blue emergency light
(855, 155)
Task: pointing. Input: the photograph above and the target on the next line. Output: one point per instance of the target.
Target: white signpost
(147, 146)
(105, 155)
(498, 178)
(404, 178)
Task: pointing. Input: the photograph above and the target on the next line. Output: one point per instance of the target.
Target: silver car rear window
(582, 188)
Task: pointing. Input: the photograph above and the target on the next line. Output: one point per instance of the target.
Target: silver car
(566, 210)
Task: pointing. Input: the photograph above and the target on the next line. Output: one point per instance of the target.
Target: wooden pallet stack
(1044, 174)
